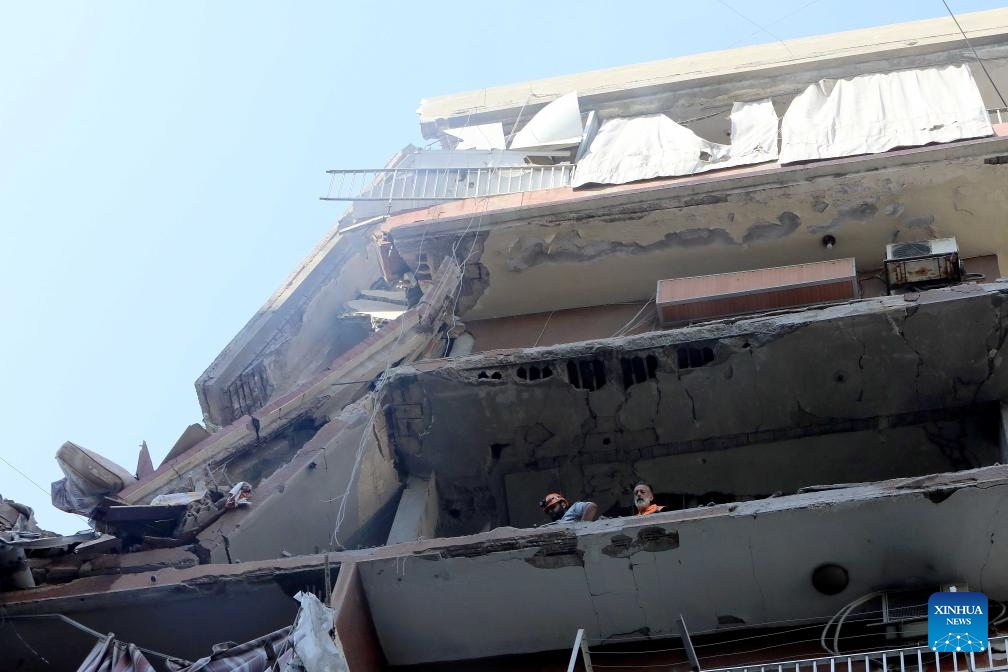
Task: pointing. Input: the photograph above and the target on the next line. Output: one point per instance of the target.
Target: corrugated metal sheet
(710, 296)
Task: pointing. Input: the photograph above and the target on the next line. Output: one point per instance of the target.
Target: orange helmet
(551, 499)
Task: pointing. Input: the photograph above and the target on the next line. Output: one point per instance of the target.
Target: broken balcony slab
(217, 603)
(402, 338)
(895, 368)
(538, 251)
(752, 561)
(281, 346)
(310, 489)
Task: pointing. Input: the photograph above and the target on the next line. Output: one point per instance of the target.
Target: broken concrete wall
(296, 509)
(883, 365)
(749, 563)
(296, 334)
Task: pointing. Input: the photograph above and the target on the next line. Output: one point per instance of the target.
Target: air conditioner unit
(904, 612)
(922, 264)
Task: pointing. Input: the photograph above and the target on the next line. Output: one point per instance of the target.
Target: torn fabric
(484, 136)
(111, 655)
(269, 652)
(555, 126)
(642, 148)
(314, 647)
(875, 113)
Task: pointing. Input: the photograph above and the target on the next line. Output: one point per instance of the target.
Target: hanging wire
(863, 616)
(4, 617)
(26, 476)
(983, 66)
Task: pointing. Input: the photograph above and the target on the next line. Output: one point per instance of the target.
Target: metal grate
(442, 184)
(915, 659)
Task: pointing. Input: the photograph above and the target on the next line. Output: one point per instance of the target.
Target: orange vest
(652, 508)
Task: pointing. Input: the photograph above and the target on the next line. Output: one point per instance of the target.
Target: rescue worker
(643, 498)
(555, 506)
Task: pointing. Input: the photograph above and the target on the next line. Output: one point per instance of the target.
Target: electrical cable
(767, 624)
(627, 327)
(983, 66)
(732, 641)
(26, 476)
(845, 608)
(762, 28)
(83, 628)
(543, 330)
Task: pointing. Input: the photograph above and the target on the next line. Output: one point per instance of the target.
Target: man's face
(642, 496)
(556, 511)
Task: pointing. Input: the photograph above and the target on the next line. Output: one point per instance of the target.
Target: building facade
(765, 281)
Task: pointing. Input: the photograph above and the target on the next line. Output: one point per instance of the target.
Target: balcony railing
(916, 659)
(442, 184)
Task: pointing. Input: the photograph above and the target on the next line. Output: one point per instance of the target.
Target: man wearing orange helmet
(555, 506)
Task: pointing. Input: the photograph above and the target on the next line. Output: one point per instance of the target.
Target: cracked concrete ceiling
(873, 366)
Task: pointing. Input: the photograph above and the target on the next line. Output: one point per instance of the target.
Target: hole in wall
(692, 357)
(638, 369)
(586, 374)
(830, 579)
(533, 373)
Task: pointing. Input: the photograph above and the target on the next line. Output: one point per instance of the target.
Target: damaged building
(766, 282)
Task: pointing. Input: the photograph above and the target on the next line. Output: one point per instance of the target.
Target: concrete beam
(354, 626)
(687, 85)
(417, 515)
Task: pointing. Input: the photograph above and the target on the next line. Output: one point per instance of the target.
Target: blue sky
(160, 167)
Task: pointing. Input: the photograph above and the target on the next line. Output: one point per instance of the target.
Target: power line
(762, 28)
(26, 477)
(975, 54)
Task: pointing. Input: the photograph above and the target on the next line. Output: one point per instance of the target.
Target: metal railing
(998, 115)
(442, 184)
(915, 659)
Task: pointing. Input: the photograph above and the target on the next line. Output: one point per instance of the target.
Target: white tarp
(315, 648)
(875, 113)
(555, 126)
(484, 136)
(641, 148)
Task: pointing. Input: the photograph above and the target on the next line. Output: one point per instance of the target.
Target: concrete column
(417, 516)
